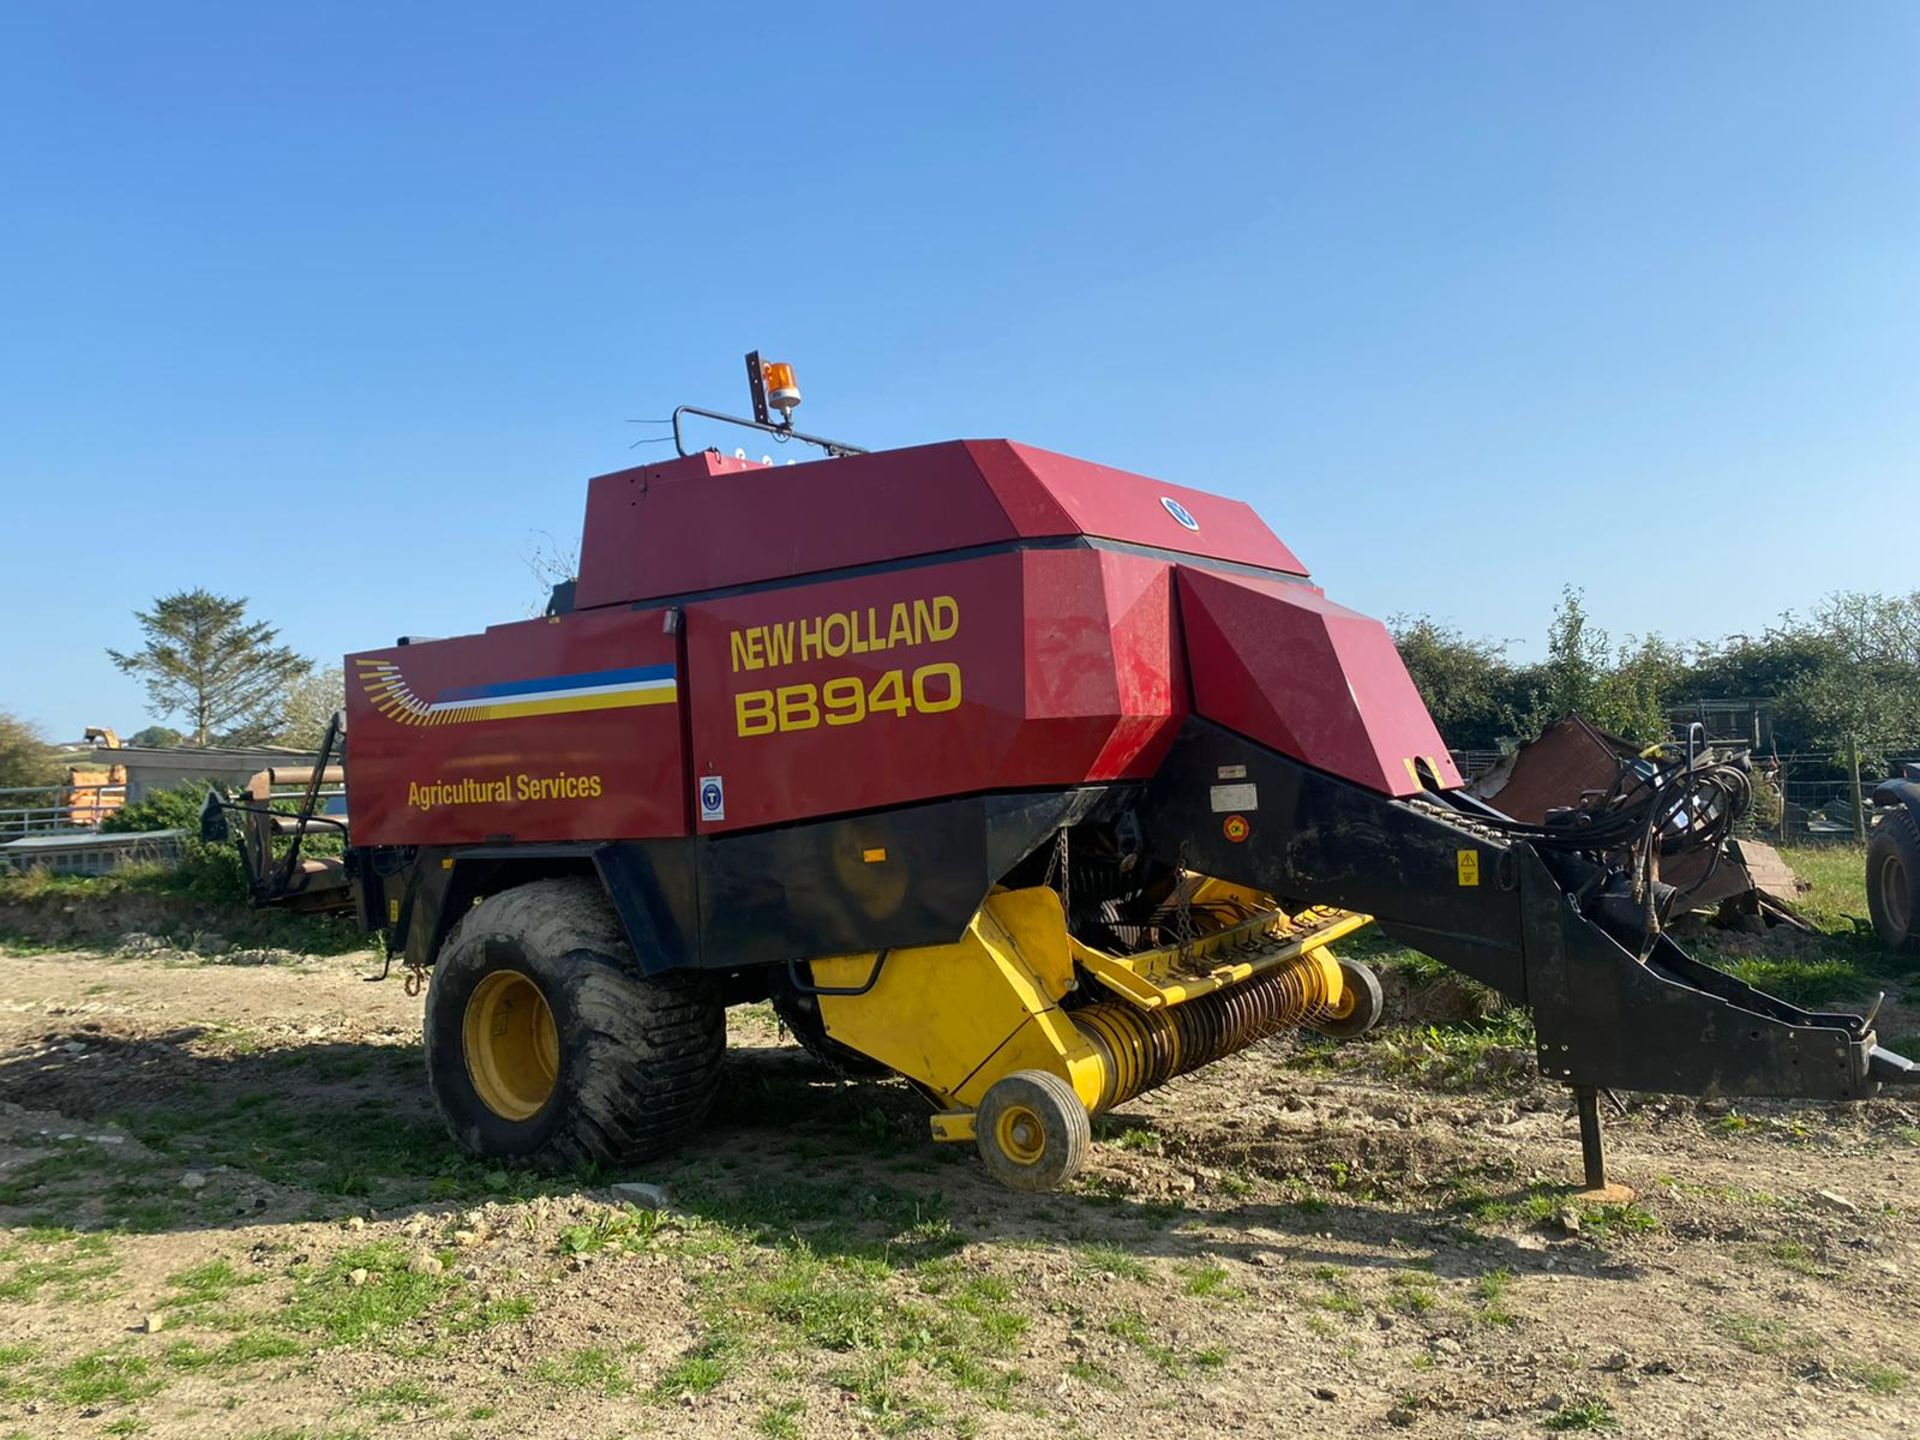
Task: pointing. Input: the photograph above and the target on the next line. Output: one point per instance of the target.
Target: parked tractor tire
(1031, 1130)
(1361, 1004)
(546, 1044)
(1893, 880)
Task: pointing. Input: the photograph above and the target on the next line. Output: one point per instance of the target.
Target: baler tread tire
(1895, 841)
(639, 1055)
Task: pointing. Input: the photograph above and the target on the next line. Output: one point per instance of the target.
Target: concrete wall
(158, 769)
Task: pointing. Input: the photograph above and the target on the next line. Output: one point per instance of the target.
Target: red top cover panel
(707, 521)
(1284, 665)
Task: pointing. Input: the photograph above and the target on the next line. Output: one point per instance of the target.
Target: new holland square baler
(1035, 782)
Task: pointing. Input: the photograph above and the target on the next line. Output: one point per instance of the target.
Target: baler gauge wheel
(1032, 1131)
(1360, 1006)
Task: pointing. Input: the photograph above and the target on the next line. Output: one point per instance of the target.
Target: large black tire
(1893, 880)
(628, 1065)
(801, 1015)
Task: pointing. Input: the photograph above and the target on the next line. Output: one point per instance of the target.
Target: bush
(206, 872)
(25, 757)
(175, 809)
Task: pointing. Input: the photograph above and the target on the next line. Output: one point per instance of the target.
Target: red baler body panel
(756, 645)
(1010, 671)
(553, 729)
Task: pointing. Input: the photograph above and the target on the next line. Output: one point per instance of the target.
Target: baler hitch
(1441, 875)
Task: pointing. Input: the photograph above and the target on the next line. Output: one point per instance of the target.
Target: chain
(416, 978)
(1183, 909)
(1057, 864)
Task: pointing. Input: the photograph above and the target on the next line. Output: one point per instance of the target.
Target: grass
(700, 1370)
(1412, 1292)
(250, 1348)
(51, 1263)
(1801, 981)
(1491, 1289)
(626, 1229)
(102, 1376)
(1756, 1334)
(1494, 1053)
(206, 1284)
(329, 1308)
(781, 1421)
(1110, 1260)
(1591, 1413)
(1792, 1255)
(1837, 964)
(868, 1275)
(1541, 1204)
(595, 1368)
(91, 909)
(1209, 1281)
(1880, 1379)
(350, 1144)
(1132, 1328)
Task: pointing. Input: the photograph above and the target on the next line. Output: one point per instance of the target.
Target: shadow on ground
(319, 1131)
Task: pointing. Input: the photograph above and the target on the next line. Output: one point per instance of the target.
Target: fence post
(1853, 773)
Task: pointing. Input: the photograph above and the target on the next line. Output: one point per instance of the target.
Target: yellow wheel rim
(1343, 1007)
(1020, 1135)
(511, 1045)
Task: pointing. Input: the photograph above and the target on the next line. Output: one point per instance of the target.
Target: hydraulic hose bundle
(1657, 807)
(1681, 804)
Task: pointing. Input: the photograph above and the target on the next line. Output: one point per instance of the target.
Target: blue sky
(337, 307)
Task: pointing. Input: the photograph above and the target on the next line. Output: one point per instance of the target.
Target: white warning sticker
(1235, 797)
(1231, 772)
(713, 798)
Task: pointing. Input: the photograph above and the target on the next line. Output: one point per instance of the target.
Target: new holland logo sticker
(1179, 512)
(393, 697)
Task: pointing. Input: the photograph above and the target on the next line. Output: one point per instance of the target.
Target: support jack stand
(1593, 1153)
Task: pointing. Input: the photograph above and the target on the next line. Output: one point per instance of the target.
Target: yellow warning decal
(1469, 861)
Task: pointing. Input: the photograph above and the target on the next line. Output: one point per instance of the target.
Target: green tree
(1873, 630)
(1630, 697)
(310, 703)
(160, 737)
(25, 756)
(204, 660)
(1748, 667)
(1847, 704)
(1577, 654)
(1468, 684)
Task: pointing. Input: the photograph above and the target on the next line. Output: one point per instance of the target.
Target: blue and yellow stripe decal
(544, 695)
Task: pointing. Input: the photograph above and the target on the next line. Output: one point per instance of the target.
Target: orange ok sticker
(1235, 828)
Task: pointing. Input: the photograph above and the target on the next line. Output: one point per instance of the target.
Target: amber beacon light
(782, 393)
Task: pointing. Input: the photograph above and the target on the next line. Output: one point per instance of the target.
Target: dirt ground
(231, 1212)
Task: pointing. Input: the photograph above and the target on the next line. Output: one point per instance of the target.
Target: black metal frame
(779, 432)
(1603, 1016)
